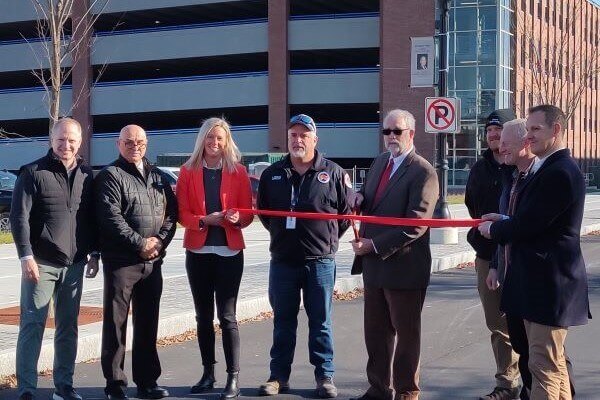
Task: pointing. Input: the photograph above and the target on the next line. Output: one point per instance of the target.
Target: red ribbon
(429, 222)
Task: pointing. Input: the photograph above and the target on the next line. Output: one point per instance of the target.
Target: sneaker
(27, 396)
(500, 393)
(273, 387)
(326, 388)
(66, 393)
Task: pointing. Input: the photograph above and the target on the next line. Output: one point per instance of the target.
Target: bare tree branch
(61, 47)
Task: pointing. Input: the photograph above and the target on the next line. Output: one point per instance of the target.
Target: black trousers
(141, 286)
(518, 339)
(215, 277)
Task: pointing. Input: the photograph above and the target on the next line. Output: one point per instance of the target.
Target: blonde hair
(231, 153)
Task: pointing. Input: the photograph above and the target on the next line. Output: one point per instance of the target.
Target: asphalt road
(456, 356)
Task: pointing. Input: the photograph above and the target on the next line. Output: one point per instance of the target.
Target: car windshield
(7, 180)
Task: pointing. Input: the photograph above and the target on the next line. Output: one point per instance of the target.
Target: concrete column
(81, 75)
(399, 20)
(278, 74)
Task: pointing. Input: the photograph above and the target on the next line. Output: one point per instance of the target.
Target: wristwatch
(201, 224)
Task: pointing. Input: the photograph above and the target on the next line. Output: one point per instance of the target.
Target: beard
(299, 153)
(395, 148)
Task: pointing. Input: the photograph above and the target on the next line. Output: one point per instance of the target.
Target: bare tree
(62, 40)
(559, 63)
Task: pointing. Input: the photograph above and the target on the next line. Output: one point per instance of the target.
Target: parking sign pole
(441, 208)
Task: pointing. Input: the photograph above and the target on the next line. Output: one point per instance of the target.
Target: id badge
(290, 223)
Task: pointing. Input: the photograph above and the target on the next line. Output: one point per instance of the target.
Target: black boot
(232, 389)
(207, 382)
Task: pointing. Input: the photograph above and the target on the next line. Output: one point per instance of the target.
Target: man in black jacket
(545, 281)
(483, 190)
(52, 224)
(302, 252)
(137, 218)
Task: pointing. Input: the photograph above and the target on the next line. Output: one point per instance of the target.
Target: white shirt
(398, 160)
(140, 166)
(537, 164)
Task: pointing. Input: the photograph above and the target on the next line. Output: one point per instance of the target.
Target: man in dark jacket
(302, 252)
(52, 224)
(545, 281)
(137, 217)
(483, 190)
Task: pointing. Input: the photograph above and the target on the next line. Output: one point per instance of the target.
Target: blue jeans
(65, 285)
(315, 279)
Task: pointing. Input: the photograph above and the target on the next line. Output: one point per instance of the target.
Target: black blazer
(403, 260)
(546, 281)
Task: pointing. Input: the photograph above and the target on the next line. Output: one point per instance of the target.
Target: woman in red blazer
(212, 183)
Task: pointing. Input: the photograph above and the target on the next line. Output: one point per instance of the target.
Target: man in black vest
(545, 280)
(137, 218)
(52, 225)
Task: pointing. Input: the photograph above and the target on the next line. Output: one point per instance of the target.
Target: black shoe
(66, 393)
(115, 394)
(27, 396)
(155, 392)
(232, 389)
(207, 382)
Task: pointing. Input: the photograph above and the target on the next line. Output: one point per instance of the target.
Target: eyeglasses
(397, 132)
(130, 144)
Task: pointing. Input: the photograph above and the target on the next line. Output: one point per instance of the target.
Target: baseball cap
(303, 119)
(500, 117)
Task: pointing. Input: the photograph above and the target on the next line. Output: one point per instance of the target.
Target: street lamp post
(441, 208)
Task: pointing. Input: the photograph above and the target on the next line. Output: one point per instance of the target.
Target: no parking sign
(442, 114)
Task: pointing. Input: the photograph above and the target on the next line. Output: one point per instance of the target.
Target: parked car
(172, 174)
(7, 184)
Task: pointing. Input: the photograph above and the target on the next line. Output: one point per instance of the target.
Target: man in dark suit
(545, 280)
(395, 260)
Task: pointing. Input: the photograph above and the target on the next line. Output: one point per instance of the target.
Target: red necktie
(384, 180)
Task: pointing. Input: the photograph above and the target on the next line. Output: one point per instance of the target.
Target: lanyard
(295, 194)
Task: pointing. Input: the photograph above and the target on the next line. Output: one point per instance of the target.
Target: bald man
(137, 216)
(51, 218)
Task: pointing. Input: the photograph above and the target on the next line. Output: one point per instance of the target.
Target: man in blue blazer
(546, 281)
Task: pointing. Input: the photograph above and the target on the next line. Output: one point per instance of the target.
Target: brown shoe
(326, 388)
(500, 393)
(273, 387)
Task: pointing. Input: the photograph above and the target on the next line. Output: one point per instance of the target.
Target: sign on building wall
(422, 61)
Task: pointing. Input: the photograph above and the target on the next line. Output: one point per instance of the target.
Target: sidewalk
(177, 315)
(456, 357)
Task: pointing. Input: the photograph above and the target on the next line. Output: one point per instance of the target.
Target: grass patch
(6, 237)
(455, 199)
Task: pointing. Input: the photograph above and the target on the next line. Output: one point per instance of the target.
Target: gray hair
(397, 114)
(518, 126)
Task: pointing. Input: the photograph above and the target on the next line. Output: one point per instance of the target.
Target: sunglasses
(303, 119)
(397, 132)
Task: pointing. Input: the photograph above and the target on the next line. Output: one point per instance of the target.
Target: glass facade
(479, 61)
